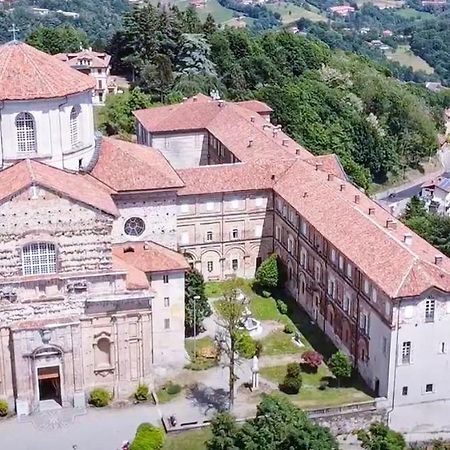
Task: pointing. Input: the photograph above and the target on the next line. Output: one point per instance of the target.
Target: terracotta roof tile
(125, 166)
(150, 257)
(379, 252)
(135, 279)
(27, 74)
(82, 188)
(232, 177)
(97, 59)
(256, 106)
(329, 164)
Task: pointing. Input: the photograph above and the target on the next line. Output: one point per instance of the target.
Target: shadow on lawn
(212, 400)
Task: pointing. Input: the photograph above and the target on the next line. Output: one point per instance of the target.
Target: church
(97, 233)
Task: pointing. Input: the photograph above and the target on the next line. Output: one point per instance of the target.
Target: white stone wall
(168, 318)
(159, 213)
(82, 235)
(182, 150)
(52, 122)
(430, 351)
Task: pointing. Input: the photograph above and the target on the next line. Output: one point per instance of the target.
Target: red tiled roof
(232, 177)
(256, 106)
(28, 74)
(232, 124)
(97, 59)
(329, 164)
(364, 239)
(125, 166)
(79, 187)
(135, 279)
(150, 257)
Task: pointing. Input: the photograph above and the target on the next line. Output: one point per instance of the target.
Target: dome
(29, 74)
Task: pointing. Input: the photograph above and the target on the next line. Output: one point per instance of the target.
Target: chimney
(438, 260)
(272, 177)
(371, 211)
(194, 98)
(285, 142)
(221, 103)
(407, 239)
(342, 187)
(146, 246)
(184, 99)
(252, 118)
(391, 224)
(250, 142)
(330, 177)
(357, 198)
(318, 165)
(297, 151)
(275, 133)
(305, 194)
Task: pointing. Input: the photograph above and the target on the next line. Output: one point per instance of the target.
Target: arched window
(26, 132)
(74, 126)
(38, 258)
(103, 353)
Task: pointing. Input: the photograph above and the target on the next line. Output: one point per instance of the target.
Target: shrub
(267, 274)
(290, 386)
(266, 294)
(289, 328)
(293, 370)
(4, 409)
(99, 397)
(292, 381)
(311, 360)
(245, 345)
(340, 366)
(173, 388)
(141, 393)
(148, 437)
(282, 307)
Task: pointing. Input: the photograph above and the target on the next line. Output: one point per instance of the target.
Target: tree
(381, 437)
(193, 57)
(223, 430)
(340, 366)
(414, 208)
(278, 425)
(230, 312)
(116, 117)
(195, 287)
(209, 26)
(267, 275)
(157, 78)
(62, 39)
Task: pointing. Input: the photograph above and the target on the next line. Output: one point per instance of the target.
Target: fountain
(251, 325)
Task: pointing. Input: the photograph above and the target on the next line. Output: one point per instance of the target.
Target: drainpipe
(389, 412)
(66, 100)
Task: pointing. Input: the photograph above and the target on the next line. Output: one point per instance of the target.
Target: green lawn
(291, 13)
(187, 440)
(199, 362)
(403, 55)
(409, 13)
(279, 343)
(220, 13)
(310, 396)
(164, 396)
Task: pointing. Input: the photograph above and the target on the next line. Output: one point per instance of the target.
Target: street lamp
(195, 298)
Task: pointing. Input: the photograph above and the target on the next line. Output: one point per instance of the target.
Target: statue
(255, 373)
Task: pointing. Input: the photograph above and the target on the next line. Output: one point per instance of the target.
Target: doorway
(49, 382)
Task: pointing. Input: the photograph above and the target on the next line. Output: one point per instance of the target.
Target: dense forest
(330, 101)
(431, 41)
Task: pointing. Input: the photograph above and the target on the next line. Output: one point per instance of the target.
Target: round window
(134, 226)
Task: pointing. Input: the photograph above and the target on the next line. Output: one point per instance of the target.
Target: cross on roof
(14, 30)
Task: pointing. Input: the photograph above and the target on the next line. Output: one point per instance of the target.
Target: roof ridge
(407, 273)
(30, 170)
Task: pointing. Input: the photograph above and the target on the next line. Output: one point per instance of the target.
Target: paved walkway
(104, 429)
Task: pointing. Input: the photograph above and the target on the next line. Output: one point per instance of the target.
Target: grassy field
(188, 440)
(409, 13)
(310, 395)
(406, 57)
(219, 13)
(291, 13)
(383, 3)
